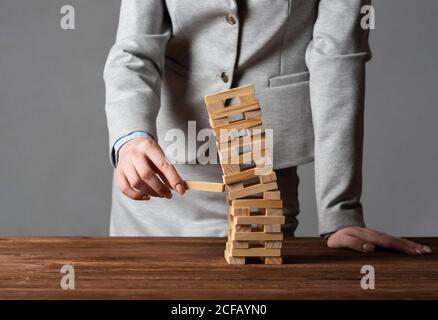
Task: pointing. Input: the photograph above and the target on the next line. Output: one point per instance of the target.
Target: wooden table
(194, 268)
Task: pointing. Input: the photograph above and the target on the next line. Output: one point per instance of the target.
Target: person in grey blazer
(306, 60)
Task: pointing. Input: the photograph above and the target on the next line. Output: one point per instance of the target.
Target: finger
(389, 242)
(140, 169)
(149, 177)
(135, 181)
(418, 247)
(158, 158)
(346, 240)
(161, 175)
(126, 188)
(151, 192)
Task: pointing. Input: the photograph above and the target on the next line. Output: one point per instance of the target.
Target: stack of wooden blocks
(255, 213)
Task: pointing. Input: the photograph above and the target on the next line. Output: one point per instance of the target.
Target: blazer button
(231, 19)
(224, 77)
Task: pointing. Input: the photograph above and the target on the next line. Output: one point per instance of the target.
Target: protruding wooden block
(205, 186)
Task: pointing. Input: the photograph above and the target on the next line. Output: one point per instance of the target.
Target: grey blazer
(306, 59)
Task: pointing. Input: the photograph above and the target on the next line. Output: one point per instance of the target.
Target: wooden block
(254, 131)
(231, 93)
(259, 220)
(254, 142)
(255, 252)
(272, 244)
(272, 195)
(251, 203)
(273, 212)
(232, 226)
(253, 114)
(229, 169)
(265, 178)
(273, 260)
(241, 244)
(218, 122)
(231, 209)
(263, 169)
(263, 161)
(226, 155)
(251, 155)
(215, 107)
(254, 236)
(245, 97)
(239, 211)
(258, 188)
(239, 176)
(233, 260)
(205, 186)
(240, 124)
(249, 132)
(230, 136)
(242, 228)
(230, 220)
(245, 175)
(272, 228)
(236, 109)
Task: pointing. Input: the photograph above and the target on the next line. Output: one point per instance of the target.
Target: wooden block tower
(255, 212)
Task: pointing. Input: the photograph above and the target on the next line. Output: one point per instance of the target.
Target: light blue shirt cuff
(120, 142)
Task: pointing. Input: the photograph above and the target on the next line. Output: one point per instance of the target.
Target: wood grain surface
(194, 268)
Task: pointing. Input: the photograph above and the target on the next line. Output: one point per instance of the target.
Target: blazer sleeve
(336, 59)
(133, 70)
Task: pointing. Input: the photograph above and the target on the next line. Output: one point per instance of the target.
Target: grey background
(55, 176)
